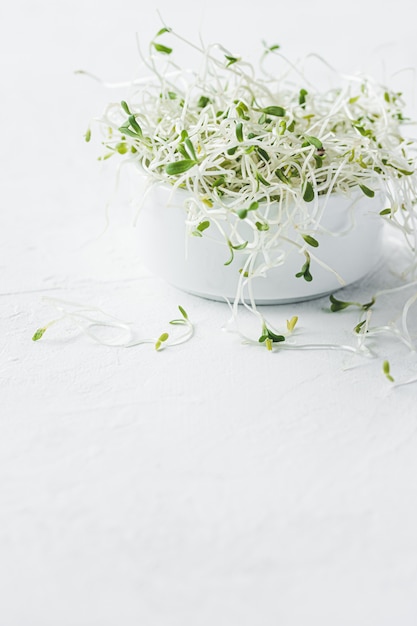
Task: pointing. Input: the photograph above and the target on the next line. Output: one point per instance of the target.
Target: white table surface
(208, 484)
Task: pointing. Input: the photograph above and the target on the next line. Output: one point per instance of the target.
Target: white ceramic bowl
(351, 247)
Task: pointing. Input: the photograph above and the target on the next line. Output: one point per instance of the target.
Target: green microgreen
(291, 323)
(268, 337)
(232, 248)
(386, 370)
(273, 110)
(161, 340)
(311, 241)
(308, 194)
(161, 48)
(203, 101)
(313, 141)
(368, 192)
(39, 333)
(339, 305)
(239, 131)
(359, 327)
(202, 226)
(179, 167)
(305, 270)
(302, 97)
(231, 60)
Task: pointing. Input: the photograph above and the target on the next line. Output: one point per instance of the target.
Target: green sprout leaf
(308, 194)
(311, 241)
(39, 333)
(232, 248)
(386, 369)
(203, 102)
(239, 131)
(302, 97)
(133, 123)
(358, 327)
(183, 320)
(274, 110)
(280, 174)
(305, 270)
(368, 192)
(339, 305)
(179, 167)
(314, 141)
(385, 212)
(262, 226)
(272, 48)
(268, 337)
(87, 135)
(291, 323)
(190, 148)
(125, 107)
(183, 312)
(201, 228)
(231, 60)
(163, 30)
(160, 48)
(161, 340)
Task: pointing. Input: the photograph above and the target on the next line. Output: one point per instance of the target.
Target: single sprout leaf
(203, 226)
(358, 327)
(231, 60)
(183, 312)
(87, 135)
(314, 142)
(274, 110)
(386, 369)
(385, 212)
(190, 148)
(308, 194)
(282, 177)
(160, 48)
(39, 334)
(179, 167)
(203, 102)
(161, 340)
(368, 192)
(338, 305)
(305, 270)
(163, 30)
(239, 131)
(291, 323)
(262, 226)
(242, 213)
(302, 97)
(133, 123)
(125, 107)
(311, 241)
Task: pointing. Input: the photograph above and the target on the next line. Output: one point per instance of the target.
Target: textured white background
(211, 484)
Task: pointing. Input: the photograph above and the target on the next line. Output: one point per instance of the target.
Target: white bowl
(349, 235)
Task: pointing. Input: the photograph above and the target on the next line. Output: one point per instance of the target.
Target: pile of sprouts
(261, 151)
(257, 149)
